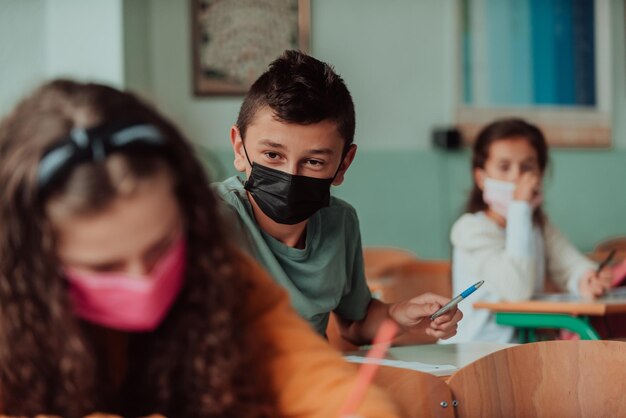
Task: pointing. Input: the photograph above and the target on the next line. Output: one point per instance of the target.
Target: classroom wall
(398, 62)
(421, 190)
(43, 39)
(84, 40)
(411, 199)
(400, 92)
(137, 47)
(396, 57)
(22, 28)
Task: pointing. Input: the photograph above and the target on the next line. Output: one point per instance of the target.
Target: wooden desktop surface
(598, 307)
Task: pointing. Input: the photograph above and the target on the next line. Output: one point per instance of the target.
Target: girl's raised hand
(528, 188)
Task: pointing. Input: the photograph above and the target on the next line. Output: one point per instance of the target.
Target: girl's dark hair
(199, 362)
(505, 129)
(300, 89)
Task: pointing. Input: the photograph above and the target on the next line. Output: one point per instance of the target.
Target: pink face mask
(125, 302)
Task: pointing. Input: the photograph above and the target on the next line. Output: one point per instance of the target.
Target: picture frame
(234, 41)
(572, 103)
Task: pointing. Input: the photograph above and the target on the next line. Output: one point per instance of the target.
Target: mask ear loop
(343, 155)
(245, 151)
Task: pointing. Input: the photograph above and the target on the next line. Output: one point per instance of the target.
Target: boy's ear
(240, 162)
(479, 178)
(347, 160)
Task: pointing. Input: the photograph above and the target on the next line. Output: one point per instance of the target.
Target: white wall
(205, 120)
(397, 59)
(394, 57)
(84, 40)
(137, 46)
(42, 39)
(22, 61)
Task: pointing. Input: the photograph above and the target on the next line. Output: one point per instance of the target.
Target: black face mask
(287, 198)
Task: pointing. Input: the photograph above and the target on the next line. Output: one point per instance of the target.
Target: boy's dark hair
(504, 129)
(300, 89)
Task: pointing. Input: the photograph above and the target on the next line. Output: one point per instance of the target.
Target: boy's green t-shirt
(327, 275)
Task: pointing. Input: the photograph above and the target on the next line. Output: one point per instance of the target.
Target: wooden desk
(457, 355)
(556, 311)
(577, 307)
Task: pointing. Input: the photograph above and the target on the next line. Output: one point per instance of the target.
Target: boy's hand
(414, 314)
(594, 284)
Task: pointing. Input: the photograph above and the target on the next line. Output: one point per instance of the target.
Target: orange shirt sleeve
(310, 378)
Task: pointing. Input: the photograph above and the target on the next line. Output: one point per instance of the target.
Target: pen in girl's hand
(445, 308)
(606, 261)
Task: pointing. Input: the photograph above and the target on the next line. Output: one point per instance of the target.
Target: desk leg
(543, 320)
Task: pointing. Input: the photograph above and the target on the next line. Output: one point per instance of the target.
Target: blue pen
(445, 308)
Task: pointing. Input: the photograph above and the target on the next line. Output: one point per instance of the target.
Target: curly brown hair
(199, 362)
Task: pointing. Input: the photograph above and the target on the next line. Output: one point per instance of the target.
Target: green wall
(411, 199)
(398, 59)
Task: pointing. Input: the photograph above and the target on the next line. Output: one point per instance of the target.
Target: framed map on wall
(233, 41)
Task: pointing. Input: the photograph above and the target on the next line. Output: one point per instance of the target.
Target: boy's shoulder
(229, 189)
(339, 215)
(339, 205)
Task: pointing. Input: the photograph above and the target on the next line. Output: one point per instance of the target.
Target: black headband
(94, 145)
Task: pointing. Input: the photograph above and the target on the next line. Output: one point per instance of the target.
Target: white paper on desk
(615, 293)
(411, 365)
(556, 297)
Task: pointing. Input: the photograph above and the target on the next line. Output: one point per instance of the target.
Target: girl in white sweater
(505, 239)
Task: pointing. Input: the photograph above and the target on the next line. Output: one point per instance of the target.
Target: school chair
(614, 243)
(548, 379)
(414, 278)
(603, 248)
(416, 394)
(398, 278)
(378, 260)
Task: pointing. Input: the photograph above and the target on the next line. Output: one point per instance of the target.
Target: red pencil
(380, 345)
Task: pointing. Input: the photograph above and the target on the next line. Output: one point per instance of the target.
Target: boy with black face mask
(293, 139)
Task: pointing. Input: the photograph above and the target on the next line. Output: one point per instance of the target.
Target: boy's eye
(503, 167)
(315, 163)
(272, 155)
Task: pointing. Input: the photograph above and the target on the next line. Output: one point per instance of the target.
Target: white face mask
(498, 195)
